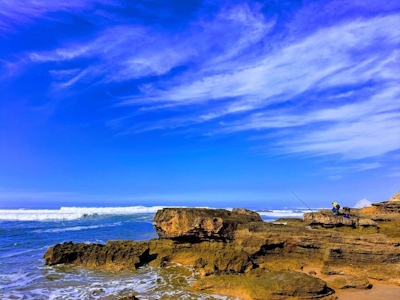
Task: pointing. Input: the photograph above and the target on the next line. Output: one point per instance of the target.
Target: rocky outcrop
(327, 219)
(396, 197)
(386, 207)
(201, 224)
(115, 255)
(208, 257)
(284, 284)
(227, 243)
(344, 283)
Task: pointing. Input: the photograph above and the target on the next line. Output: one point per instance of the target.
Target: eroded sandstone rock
(327, 219)
(221, 242)
(115, 255)
(396, 197)
(263, 284)
(344, 283)
(386, 207)
(201, 224)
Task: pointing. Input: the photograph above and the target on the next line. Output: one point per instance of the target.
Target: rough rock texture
(360, 283)
(228, 243)
(282, 284)
(327, 219)
(115, 255)
(207, 257)
(385, 207)
(388, 207)
(395, 197)
(201, 224)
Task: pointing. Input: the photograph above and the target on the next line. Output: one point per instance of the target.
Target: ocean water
(26, 234)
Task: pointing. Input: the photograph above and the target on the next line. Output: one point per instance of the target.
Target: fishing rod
(302, 202)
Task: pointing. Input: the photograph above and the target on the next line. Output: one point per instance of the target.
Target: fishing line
(303, 202)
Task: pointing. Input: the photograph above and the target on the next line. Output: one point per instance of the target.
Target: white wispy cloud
(331, 91)
(327, 58)
(360, 129)
(356, 167)
(364, 123)
(131, 51)
(19, 13)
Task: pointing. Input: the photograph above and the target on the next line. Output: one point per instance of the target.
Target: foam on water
(72, 213)
(26, 234)
(75, 228)
(76, 283)
(275, 214)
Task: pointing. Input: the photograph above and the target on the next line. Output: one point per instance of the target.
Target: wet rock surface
(281, 284)
(224, 244)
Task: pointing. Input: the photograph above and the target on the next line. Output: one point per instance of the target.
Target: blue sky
(216, 103)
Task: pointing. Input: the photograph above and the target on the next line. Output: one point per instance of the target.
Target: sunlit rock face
(201, 224)
(325, 218)
(396, 197)
(389, 207)
(229, 243)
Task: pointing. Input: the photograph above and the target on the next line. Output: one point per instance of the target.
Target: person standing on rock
(335, 208)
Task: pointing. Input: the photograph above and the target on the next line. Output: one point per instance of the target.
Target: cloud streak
(129, 52)
(329, 91)
(360, 55)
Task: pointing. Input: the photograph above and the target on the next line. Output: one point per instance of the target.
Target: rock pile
(325, 218)
(386, 207)
(268, 257)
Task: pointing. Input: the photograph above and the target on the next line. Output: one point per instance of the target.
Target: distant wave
(282, 213)
(75, 228)
(72, 213)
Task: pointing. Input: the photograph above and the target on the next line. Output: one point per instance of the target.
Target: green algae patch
(261, 284)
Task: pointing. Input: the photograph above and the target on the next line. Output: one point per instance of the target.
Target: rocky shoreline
(239, 255)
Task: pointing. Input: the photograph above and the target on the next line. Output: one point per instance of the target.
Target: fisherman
(335, 208)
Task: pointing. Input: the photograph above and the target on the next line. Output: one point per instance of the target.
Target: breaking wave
(72, 213)
(276, 214)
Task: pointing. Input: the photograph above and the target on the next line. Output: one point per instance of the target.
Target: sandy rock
(395, 197)
(366, 222)
(360, 283)
(115, 255)
(221, 242)
(254, 217)
(327, 219)
(282, 284)
(189, 224)
(385, 207)
(388, 207)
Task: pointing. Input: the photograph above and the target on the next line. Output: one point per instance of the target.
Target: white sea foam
(282, 213)
(71, 213)
(149, 283)
(19, 279)
(75, 228)
(363, 203)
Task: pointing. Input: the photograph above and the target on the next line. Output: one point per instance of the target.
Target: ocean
(26, 234)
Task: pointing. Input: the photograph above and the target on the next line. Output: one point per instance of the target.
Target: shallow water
(25, 235)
